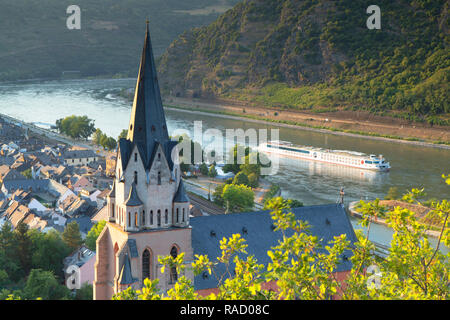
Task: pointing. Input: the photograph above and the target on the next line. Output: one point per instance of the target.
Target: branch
(439, 240)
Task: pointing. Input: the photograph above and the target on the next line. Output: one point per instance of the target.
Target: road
(53, 135)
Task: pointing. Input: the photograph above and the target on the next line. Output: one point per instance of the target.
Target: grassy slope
(319, 56)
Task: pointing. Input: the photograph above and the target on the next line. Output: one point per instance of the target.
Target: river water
(310, 182)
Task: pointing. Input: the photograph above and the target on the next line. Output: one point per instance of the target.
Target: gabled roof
(126, 277)
(112, 193)
(181, 195)
(133, 248)
(326, 221)
(133, 199)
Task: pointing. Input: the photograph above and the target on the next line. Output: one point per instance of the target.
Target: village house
(79, 157)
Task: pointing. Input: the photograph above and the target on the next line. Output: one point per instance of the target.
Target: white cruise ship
(339, 157)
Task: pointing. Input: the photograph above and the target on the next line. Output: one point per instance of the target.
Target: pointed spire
(148, 123)
(133, 199)
(181, 195)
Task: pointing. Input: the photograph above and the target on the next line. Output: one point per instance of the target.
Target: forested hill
(320, 56)
(36, 43)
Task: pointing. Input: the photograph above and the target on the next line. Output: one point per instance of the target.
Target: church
(148, 208)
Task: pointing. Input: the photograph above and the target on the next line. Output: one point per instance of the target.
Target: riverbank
(336, 123)
(352, 210)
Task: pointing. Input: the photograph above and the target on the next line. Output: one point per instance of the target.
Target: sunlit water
(310, 182)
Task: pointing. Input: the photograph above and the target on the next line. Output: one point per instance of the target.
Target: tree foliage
(302, 267)
(72, 236)
(77, 127)
(93, 234)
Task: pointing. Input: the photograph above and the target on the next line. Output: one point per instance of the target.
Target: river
(312, 183)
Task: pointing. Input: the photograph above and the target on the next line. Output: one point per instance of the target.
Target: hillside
(319, 56)
(35, 42)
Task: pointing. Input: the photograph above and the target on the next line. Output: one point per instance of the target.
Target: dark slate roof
(326, 221)
(26, 184)
(76, 154)
(112, 193)
(125, 149)
(181, 195)
(133, 248)
(133, 199)
(126, 276)
(148, 123)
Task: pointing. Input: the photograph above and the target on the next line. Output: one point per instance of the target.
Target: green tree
(72, 236)
(253, 180)
(85, 292)
(123, 134)
(43, 284)
(23, 252)
(93, 234)
(9, 261)
(48, 251)
(76, 126)
(217, 195)
(212, 172)
(27, 173)
(241, 178)
(203, 169)
(238, 198)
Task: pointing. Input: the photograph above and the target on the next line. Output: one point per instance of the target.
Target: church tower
(148, 208)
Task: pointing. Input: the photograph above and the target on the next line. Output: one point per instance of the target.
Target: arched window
(166, 217)
(145, 265)
(158, 218)
(129, 219)
(143, 217)
(183, 215)
(173, 270)
(135, 157)
(112, 211)
(135, 177)
(159, 177)
(135, 219)
(178, 215)
(159, 156)
(151, 217)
